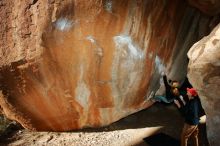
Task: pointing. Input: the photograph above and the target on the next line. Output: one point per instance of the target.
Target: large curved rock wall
(204, 74)
(73, 64)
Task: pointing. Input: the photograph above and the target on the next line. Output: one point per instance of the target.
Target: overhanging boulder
(72, 64)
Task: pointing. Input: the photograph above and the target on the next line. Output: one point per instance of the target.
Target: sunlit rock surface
(73, 64)
(204, 74)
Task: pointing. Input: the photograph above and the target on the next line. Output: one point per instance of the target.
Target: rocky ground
(126, 132)
(113, 138)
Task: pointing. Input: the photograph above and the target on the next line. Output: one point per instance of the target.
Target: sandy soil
(126, 132)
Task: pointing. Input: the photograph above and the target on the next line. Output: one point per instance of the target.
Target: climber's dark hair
(174, 81)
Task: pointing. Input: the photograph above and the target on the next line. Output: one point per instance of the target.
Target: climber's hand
(163, 73)
(177, 103)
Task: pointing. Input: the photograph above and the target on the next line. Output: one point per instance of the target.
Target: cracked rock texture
(204, 74)
(76, 63)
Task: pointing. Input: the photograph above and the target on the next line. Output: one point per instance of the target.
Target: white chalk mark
(63, 24)
(91, 39)
(82, 91)
(159, 65)
(108, 5)
(125, 42)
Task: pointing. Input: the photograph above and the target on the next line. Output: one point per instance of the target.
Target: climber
(190, 111)
(172, 91)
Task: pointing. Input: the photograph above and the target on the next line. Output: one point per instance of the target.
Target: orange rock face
(75, 64)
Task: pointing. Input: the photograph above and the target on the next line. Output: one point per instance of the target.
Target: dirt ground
(128, 131)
